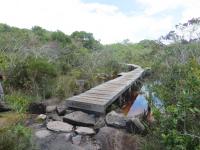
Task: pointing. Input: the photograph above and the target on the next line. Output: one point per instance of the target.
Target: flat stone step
(79, 118)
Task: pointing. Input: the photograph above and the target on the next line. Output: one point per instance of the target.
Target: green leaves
(179, 88)
(18, 101)
(17, 137)
(3, 61)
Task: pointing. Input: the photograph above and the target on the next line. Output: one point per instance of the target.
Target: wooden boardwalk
(99, 98)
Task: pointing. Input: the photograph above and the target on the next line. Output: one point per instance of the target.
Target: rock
(116, 120)
(91, 146)
(37, 108)
(100, 123)
(50, 109)
(79, 118)
(114, 139)
(89, 143)
(42, 133)
(85, 131)
(56, 142)
(59, 126)
(61, 110)
(54, 117)
(4, 107)
(147, 72)
(134, 126)
(76, 139)
(68, 136)
(42, 117)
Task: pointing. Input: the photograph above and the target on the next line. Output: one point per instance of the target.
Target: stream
(138, 103)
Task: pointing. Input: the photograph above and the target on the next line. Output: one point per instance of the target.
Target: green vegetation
(16, 137)
(18, 101)
(178, 73)
(39, 64)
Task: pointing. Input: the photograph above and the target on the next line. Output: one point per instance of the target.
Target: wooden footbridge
(99, 98)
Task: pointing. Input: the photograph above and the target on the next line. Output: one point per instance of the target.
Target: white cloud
(106, 22)
(189, 8)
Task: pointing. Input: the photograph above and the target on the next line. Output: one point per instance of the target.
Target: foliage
(33, 75)
(65, 86)
(36, 65)
(141, 53)
(61, 37)
(86, 39)
(3, 61)
(16, 137)
(18, 101)
(41, 33)
(179, 79)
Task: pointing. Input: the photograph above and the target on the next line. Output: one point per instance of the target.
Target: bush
(179, 89)
(33, 75)
(3, 61)
(65, 86)
(16, 137)
(18, 101)
(41, 33)
(61, 37)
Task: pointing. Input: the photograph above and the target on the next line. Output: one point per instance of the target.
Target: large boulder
(114, 139)
(56, 142)
(116, 120)
(59, 126)
(134, 126)
(37, 108)
(79, 118)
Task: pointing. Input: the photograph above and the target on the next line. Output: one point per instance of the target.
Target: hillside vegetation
(39, 64)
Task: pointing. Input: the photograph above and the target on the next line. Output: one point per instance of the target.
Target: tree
(87, 40)
(61, 37)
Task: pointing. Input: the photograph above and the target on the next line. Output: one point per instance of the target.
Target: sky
(110, 21)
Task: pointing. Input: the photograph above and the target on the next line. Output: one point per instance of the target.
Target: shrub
(3, 61)
(18, 101)
(61, 37)
(65, 86)
(33, 75)
(179, 88)
(16, 137)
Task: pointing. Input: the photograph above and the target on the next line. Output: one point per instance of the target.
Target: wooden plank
(90, 99)
(107, 89)
(101, 92)
(97, 96)
(110, 88)
(110, 85)
(85, 106)
(86, 101)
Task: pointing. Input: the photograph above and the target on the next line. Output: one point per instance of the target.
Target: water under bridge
(99, 98)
